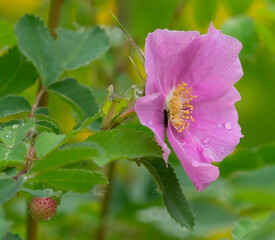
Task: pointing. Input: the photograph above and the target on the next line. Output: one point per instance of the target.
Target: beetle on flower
(190, 79)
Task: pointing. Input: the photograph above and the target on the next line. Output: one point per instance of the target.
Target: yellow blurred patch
(255, 7)
(221, 16)
(103, 16)
(15, 8)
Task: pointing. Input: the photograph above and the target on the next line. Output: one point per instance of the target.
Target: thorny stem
(54, 16)
(32, 228)
(36, 102)
(102, 233)
(53, 21)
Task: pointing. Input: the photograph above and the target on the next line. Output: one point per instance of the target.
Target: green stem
(32, 227)
(102, 233)
(54, 16)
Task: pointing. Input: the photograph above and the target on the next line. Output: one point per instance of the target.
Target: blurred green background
(239, 201)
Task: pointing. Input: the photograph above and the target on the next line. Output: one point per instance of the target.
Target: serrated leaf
(45, 142)
(42, 111)
(16, 73)
(13, 134)
(248, 159)
(7, 37)
(12, 104)
(75, 180)
(80, 48)
(77, 95)
(48, 122)
(8, 188)
(35, 41)
(17, 153)
(51, 58)
(124, 144)
(84, 151)
(173, 197)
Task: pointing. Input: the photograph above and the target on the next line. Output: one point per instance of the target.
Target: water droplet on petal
(150, 123)
(228, 126)
(206, 140)
(184, 143)
(219, 125)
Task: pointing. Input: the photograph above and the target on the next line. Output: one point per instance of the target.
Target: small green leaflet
(59, 158)
(76, 180)
(16, 73)
(17, 132)
(12, 104)
(173, 197)
(77, 95)
(45, 142)
(71, 50)
(9, 187)
(10, 236)
(124, 144)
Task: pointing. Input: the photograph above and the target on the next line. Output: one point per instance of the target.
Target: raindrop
(219, 125)
(228, 126)
(206, 140)
(15, 126)
(8, 135)
(48, 191)
(150, 123)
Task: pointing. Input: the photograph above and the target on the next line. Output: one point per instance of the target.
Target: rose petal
(216, 126)
(150, 112)
(166, 59)
(198, 169)
(216, 67)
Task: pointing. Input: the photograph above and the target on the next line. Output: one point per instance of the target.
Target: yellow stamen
(179, 107)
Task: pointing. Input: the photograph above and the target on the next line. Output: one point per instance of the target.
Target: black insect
(165, 117)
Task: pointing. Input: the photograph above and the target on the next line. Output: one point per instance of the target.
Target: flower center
(179, 107)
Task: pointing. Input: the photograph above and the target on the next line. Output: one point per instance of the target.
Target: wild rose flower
(189, 87)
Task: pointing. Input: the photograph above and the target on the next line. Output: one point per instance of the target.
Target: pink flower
(190, 77)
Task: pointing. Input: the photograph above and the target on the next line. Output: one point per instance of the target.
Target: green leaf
(76, 180)
(16, 73)
(124, 144)
(83, 151)
(16, 154)
(42, 193)
(48, 122)
(7, 37)
(35, 41)
(45, 142)
(243, 227)
(248, 159)
(51, 58)
(173, 197)
(77, 95)
(10, 236)
(13, 134)
(80, 48)
(204, 11)
(12, 104)
(8, 188)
